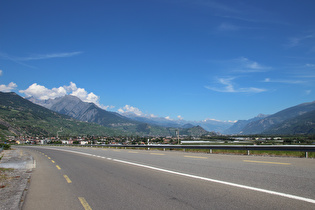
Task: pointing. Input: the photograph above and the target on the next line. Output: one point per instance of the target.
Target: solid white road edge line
(220, 182)
(204, 178)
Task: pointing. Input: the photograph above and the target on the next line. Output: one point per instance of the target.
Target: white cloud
(228, 27)
(229, 87)
(297, 41)
(168, 118)
(286, 81)
(71, 88)
(241, 65)
(82, 94)
(42, 93)
(209, 119)
(127, 109)
(152, 116)
(23, 60)
(310, 65)
(48, 56)
(246, 65)
(130, 109)
(307, 92)
(8, 88)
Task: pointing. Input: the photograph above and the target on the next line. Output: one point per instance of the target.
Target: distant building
(84, 142)
(67, 141)
(43, 141)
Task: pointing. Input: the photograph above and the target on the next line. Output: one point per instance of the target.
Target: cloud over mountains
(42, 93)
(7, 88)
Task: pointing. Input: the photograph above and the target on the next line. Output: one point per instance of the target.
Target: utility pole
(177, 132)
(59, 132)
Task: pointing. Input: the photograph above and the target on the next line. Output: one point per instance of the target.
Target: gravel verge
(15, 172)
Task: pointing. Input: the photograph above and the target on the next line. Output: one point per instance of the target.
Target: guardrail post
(210, 151)
(163, 149)
(248, 153)
(184, 150)
(306, 154)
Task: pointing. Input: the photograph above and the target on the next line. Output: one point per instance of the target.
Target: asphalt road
(88, 178)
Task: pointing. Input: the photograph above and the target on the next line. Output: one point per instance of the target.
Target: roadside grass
(232, 152)
(218, 151)
(282, 153)
(4, 176)
(255, 152)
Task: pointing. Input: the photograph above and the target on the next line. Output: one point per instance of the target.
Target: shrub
(5, 146)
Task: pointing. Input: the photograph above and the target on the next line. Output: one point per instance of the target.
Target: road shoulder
(16, 168)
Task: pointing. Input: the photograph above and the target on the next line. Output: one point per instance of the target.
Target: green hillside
(19, 116)
(303, 124)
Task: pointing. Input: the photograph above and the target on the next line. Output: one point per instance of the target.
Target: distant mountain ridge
(300, 125)
(262, 124)
(267, 123)
(209, 125)
(19, 116)
(237, 127)
(88, 112)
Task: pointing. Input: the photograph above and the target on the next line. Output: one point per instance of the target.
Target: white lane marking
(220, 182)
(205, 179)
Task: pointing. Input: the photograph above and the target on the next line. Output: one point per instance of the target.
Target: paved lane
(289, 175)
(122, 179)
(48, 189)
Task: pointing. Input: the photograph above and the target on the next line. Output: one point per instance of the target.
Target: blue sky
(187, 59)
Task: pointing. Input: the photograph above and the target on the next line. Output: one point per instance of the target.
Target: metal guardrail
(298, 148)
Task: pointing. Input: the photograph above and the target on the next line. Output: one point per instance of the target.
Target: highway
(96, 178)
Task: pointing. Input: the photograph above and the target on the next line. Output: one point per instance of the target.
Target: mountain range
(302, 124)
(209, 124)
(237, 127)
(288, 116)
(299, 119)
(262, 124)
(89, 112)
(20, 116)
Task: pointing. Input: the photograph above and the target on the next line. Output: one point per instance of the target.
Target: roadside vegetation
(121, 140)
(4, 176)
(5, 146)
